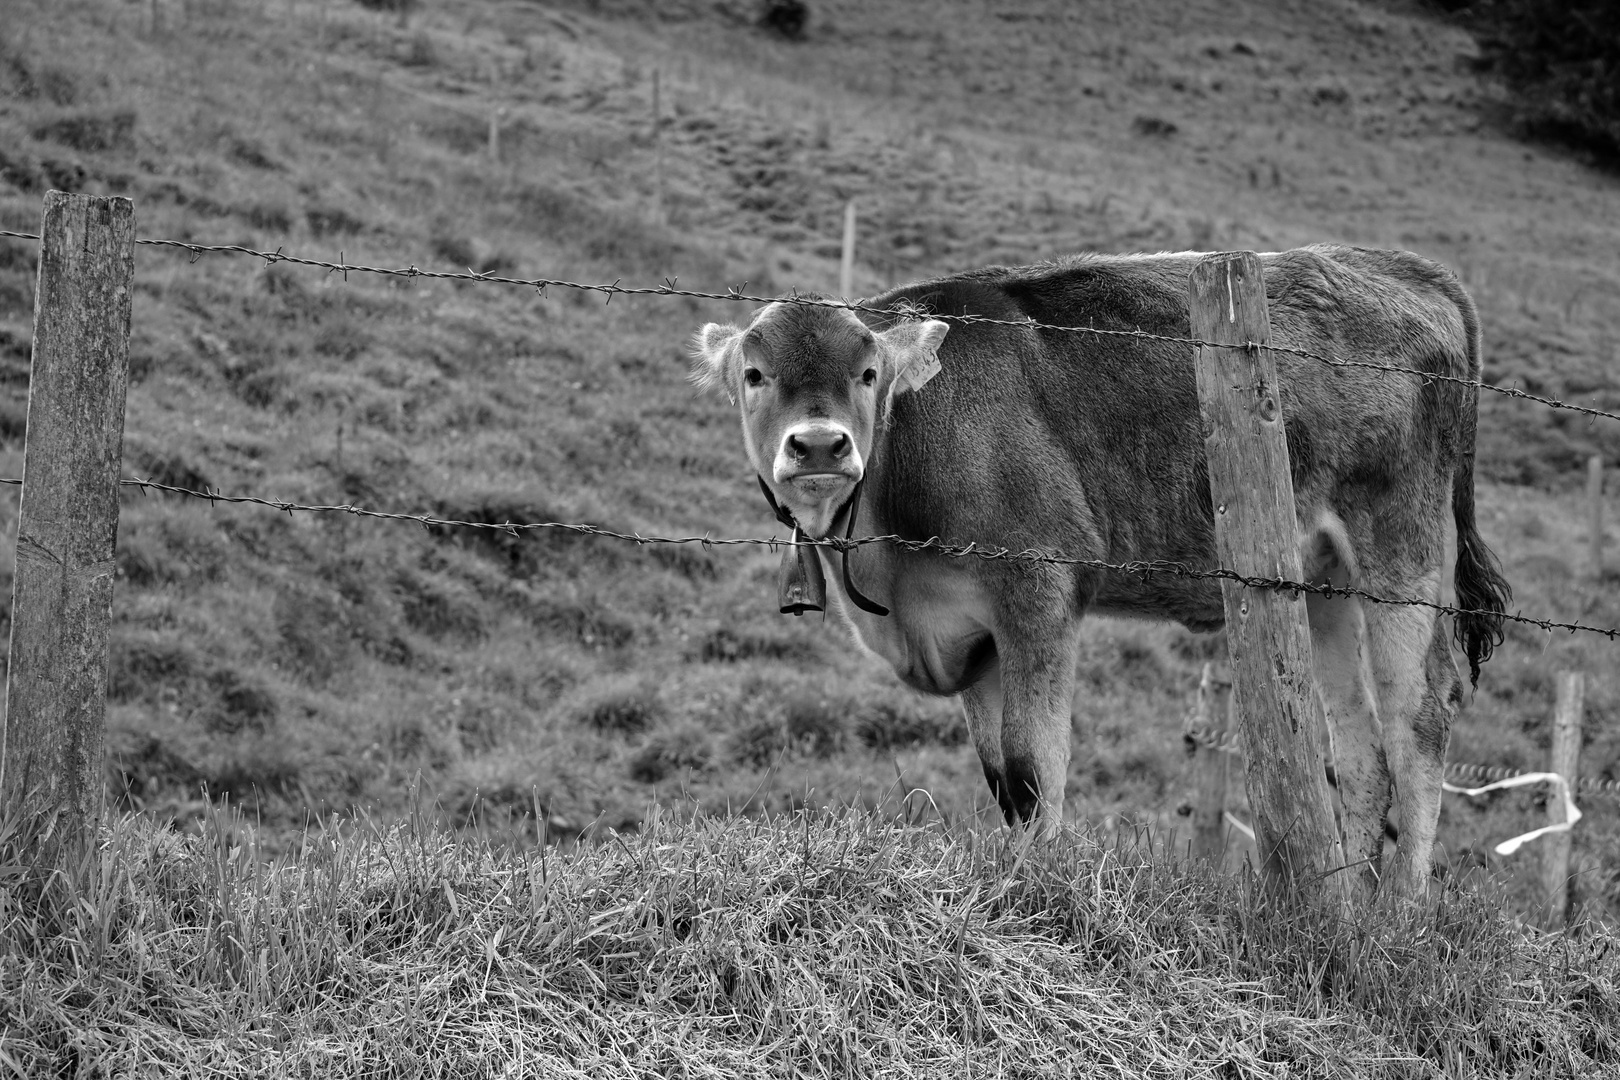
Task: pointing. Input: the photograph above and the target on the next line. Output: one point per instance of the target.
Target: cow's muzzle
(819, 460)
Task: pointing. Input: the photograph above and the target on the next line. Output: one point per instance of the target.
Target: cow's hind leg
(1338, 632)
(1344, 683)
(1419, 695)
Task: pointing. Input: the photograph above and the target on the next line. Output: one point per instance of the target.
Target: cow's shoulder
(976, 293)
(1113, 291)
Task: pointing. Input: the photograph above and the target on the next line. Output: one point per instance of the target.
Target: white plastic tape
(1238, 825)
(1572, 813)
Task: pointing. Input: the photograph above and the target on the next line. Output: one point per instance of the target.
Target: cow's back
(1035, 436)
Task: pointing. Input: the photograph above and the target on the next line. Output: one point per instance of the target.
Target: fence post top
(1228, 256)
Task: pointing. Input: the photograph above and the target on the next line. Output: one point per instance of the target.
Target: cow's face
(812, 383)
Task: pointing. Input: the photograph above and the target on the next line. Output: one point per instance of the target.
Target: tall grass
(804, 945)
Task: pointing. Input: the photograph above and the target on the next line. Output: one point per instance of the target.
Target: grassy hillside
(315, 665)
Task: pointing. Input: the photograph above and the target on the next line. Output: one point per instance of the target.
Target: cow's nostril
(819, 448)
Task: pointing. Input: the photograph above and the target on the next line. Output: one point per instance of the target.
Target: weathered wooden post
(660, 200)
(846, 261)
(1565, 760)
(1594, 512)
(1268, 640)
(1209, 724)
(56, 685)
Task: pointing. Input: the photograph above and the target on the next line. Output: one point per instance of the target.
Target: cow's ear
(914, 344)
(712, 347)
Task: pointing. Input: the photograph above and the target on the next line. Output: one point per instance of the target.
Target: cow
(1013, 433)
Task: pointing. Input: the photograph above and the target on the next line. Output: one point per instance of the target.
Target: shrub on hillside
(684, 746)
(141, 663)
(313, 624)
(28, 79)
(144, 765)
(760, 743)
(816, 724)
(245, 704)
(804, 723)
(1561, 58)
(92, 130)
(438, 607)
(724, 646)
(623, 707)
(785, 17)
(886, 726)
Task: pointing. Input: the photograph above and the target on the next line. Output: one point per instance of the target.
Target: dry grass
(808, 945)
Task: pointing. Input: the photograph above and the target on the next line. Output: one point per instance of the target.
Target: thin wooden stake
(658, 145)
(1210, 768)
(1565, 761)
(56, 685)
(1267, 636)
(846, 262)
(1594, 504)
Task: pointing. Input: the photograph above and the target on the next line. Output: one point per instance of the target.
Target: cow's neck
(848, 514)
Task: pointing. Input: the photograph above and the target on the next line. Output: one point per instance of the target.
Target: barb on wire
(1225, 740)
(739, 293)
(932, 544)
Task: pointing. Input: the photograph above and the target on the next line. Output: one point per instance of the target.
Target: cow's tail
(1482, 592)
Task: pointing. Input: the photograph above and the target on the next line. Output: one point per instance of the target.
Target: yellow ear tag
(917, 374)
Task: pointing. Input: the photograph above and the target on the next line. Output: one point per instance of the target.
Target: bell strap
(785, 516)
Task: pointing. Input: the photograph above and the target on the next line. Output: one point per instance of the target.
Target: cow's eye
(869, 376)
(752, 377)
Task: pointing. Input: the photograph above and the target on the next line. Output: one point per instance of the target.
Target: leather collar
(852, 507)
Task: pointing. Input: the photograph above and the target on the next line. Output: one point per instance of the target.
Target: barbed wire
(737, 294)
(1226, 741)
(1458, 770)
(933, 544)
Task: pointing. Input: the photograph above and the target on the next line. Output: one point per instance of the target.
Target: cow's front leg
(982, 704)
(1037, 683)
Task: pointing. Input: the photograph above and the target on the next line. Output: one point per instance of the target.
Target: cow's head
(813, 383)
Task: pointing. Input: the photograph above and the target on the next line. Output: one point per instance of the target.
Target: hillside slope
(311, 665)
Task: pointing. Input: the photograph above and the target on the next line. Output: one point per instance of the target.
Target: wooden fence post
(846, 262)
(1594, 504)
(660, 201)
(1565, 761)
(56, 684)
(1267, 636)
(1211, 718)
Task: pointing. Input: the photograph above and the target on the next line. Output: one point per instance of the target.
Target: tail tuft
(1482, 592)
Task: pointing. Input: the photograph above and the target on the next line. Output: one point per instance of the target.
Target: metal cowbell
(801, 585)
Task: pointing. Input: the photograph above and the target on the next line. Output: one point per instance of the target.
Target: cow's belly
(939, 635)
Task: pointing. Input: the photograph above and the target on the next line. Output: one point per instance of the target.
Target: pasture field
(836, 945)
(541, 691)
